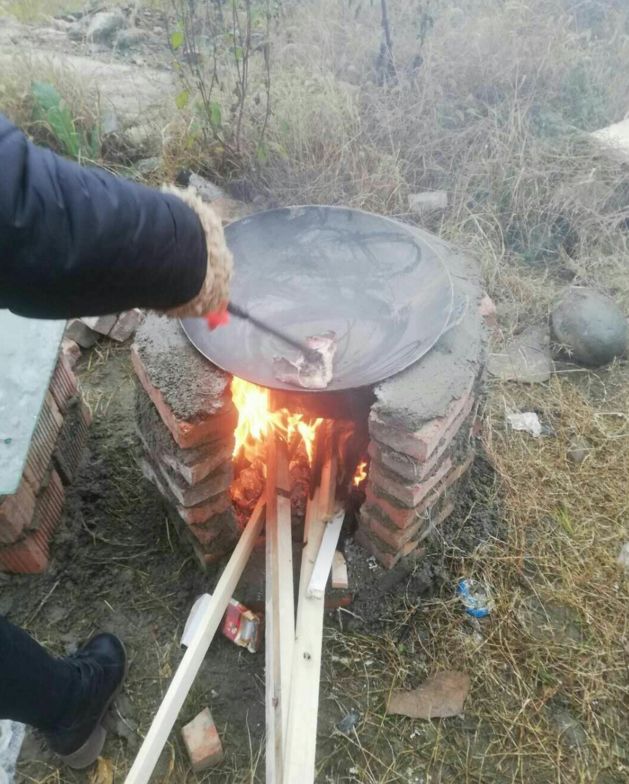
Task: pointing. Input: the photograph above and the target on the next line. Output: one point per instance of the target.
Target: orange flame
(255, 420)
(361, 474)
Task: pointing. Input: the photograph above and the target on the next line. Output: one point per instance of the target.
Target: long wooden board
(301, 735)
(165, 717)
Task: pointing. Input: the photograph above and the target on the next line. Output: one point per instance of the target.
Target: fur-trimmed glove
(214, 293)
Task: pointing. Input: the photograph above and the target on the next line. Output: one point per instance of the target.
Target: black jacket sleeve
(77, 241)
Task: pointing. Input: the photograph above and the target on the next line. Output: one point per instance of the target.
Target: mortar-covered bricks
(193, 464)
(191, 395)
(420, 426)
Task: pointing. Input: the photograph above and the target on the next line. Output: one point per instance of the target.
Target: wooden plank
(339, 571)
(301, 735)
(280, 604)
(165, 717)
(325, 556)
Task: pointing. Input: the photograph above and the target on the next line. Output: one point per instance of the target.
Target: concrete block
(100, 324)
(202, 742)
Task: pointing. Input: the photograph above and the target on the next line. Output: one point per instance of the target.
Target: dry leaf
(439, 696)
(103, 773)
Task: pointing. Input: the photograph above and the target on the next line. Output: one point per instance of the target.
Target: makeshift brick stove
(409, 446)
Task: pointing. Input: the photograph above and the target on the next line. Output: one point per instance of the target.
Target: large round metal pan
(381, 288)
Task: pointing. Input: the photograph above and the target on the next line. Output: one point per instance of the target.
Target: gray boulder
(589, 327)
(104, 25)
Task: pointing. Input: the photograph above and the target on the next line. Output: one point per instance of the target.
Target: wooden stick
(301, 735)
(165, 717)
(325, 556)
(339, 571)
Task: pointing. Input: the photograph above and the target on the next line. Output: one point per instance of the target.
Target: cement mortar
(423, 391)
(192, 387)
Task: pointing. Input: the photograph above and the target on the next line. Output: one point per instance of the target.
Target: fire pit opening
(303, 429)
(403, 447)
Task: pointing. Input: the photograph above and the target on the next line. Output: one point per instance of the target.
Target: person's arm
(77, 241)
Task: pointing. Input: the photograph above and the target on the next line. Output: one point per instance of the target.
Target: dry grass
(549, 668)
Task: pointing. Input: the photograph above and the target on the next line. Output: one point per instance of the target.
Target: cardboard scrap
(440, 696)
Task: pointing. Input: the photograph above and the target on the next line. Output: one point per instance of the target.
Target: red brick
(415, 470)
(423, 442)
(187, 433)
(71, 351)
(49, 506)
(193, 495)
(28, 556)
(388, 512)
(43, 443)
(72, 440)
(219, 526)
(202, 742)
(202, 513)
(409, 495)
(63, 385)
(16, 512)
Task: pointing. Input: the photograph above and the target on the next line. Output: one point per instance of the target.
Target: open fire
(256, 421)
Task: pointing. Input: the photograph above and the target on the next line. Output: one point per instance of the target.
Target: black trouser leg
(35, 687)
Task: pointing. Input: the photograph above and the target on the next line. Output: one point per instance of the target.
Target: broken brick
(202, 742)
(126, 325)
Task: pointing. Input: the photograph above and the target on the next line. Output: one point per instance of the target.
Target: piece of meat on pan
(311, 371)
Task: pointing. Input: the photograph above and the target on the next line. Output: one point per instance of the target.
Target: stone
(427, 202)
(579, 449)
(614, 139)
(589, 327)
(80, 333)
(202, 742)
(104, 25)
(129, 39)
(206, 190)
(100, 324)
(526, 358)
(191, 395)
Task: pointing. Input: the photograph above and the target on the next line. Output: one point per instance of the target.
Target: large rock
(104, 25)
(589, 326)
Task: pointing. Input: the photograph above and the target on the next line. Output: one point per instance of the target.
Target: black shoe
(102, 665)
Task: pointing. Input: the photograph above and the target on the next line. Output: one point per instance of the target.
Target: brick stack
(185, 420)
(414, 478)
(422, 427)
(29, 517)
